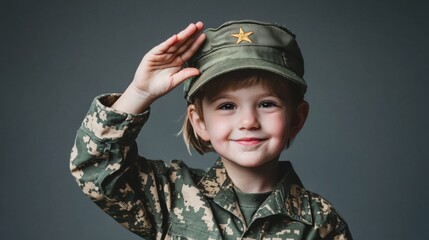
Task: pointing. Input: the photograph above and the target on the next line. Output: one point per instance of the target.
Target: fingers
(192, 49)
(164, 46)
(183, 74)
(180, 42)
(188, 34)
(190, 31)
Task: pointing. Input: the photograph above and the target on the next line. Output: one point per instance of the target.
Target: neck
(259, 179)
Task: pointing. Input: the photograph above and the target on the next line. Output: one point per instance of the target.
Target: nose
(249, 120)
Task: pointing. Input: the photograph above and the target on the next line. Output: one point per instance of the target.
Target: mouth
(249, 141)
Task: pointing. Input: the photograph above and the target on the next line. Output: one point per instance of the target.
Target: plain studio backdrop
(364, 146)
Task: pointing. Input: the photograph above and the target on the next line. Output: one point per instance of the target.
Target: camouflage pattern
(160, 201)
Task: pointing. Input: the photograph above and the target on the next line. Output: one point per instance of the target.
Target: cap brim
(230, 65)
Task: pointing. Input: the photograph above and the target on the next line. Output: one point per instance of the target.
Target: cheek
(278, 126)
(218, 128)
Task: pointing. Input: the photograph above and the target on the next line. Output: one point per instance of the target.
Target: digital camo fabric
(156, 200)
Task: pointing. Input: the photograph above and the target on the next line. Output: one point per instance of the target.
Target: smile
(249, 141)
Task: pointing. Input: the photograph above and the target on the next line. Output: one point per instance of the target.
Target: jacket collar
(288, 197)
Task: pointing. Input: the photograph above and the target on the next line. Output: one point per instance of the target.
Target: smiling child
(244, 90)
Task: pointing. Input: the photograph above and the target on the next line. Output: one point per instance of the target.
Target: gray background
(364, 146)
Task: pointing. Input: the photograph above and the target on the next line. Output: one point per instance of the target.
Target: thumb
(184, 74)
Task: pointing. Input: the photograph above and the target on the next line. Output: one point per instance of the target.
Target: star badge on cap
(242, 36)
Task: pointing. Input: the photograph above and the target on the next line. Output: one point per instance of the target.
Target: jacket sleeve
(105, 164)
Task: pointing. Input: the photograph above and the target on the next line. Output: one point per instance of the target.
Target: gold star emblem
(242, 36)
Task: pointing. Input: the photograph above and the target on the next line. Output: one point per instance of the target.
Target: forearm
(105, 164)
(102, 142)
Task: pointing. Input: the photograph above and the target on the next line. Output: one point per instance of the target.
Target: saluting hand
(161, 70)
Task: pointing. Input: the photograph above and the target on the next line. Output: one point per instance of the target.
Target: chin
(251, 163)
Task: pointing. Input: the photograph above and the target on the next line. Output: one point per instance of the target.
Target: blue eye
(226, 106)
(267, 104)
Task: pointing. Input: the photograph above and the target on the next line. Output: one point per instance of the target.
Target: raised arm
(104, 159)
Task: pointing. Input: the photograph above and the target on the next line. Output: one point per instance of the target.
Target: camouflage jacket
(160, 201)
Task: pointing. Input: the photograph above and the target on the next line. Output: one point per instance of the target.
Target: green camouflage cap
(246, 44)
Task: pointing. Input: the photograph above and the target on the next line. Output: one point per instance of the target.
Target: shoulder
(312, 208)
(326, 218)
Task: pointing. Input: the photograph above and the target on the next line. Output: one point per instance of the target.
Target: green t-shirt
(250, 203)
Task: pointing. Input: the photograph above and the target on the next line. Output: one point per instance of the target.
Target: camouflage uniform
(159, 201)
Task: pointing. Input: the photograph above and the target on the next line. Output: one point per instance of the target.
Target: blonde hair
(233, 81)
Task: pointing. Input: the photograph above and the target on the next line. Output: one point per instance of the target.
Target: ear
(198, 123)
(298, 120)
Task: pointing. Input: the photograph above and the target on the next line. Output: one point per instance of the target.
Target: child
(245, 102)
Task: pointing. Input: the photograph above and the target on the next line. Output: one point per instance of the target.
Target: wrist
(133, 100)
(139, 95)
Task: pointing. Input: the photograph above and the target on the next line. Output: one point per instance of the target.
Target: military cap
(246, 44)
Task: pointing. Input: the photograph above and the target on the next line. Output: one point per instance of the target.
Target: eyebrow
(265, 94)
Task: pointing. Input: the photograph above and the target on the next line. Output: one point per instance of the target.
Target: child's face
(248, 127)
